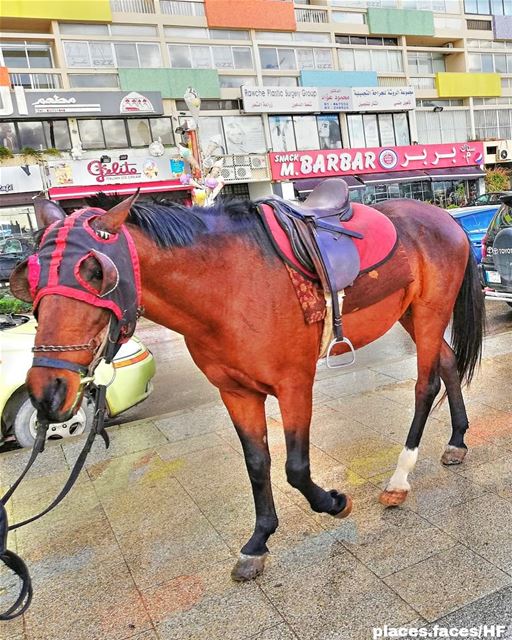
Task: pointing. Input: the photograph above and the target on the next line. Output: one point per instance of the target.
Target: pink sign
(339, 162)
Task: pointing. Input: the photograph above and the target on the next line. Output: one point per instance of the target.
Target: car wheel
(25, 422)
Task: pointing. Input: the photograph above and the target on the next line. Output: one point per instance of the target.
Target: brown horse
(212, 275)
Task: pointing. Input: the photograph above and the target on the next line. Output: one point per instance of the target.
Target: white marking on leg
(406, 463)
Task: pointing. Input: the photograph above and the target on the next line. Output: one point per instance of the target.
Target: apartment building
(401, 97)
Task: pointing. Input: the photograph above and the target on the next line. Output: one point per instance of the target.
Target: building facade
(299, 87)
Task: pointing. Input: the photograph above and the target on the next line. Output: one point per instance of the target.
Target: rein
(107, 350)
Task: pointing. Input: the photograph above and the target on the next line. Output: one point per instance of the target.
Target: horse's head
(85, 287)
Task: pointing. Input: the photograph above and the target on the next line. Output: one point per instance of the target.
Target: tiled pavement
(143, 546)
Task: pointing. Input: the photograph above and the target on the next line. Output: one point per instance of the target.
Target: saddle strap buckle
(334, 343)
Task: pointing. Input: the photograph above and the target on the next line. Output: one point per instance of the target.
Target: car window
(11, 246)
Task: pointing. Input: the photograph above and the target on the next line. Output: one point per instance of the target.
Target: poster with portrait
(306, 132)
(244, 134)
(282, 134)
(329, 131)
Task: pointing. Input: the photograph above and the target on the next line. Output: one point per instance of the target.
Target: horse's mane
(170, 224)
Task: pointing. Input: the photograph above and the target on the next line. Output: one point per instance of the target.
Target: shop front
(18, 187)
(73, 181)
(446, 174)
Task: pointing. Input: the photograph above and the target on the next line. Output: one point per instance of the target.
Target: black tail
(468, 323)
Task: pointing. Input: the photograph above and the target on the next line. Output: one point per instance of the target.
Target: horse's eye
(97, 274)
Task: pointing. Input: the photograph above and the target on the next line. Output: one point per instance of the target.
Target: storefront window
(329, 132)
(115, 134)
(162, 128)
(282, 133)
(306, 132)
(57, 134)
(37, 134)
(140, 134)
(8, 137)
(378, 130)
(91, 134)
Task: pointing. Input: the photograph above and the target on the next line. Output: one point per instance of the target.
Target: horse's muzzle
(50, 399)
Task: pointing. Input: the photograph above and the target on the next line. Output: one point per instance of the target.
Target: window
(27, 55)
(72, 28)
(231, 135)
(133, 30)
(368, 41)
(493, 123)
(186, 32)
(91, 80)
(119, 133)
(425, 62)
(280, 58)
(488, 7)
(382, 61)
(489, 62)
(104, 54)
(214, 57)
(279, 81)
(235, 82)
(228, 34)
(292, 133)
(378, 130)
(38, 135)
(445, 126)
(348, 18)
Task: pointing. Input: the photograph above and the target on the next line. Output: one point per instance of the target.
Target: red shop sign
(338, 162)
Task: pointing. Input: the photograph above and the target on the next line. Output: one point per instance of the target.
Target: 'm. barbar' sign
(307, 164)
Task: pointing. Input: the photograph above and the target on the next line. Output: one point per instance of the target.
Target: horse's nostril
(56, 393)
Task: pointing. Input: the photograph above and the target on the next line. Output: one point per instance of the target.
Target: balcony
(423, 82)
(133, 6)
(173, 8)
(391, 81)
(36, 80)
(312, 16)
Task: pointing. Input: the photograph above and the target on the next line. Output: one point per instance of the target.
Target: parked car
(474, 221)
(133, 367)
(493, 197)
(496, 266)
(13, 250)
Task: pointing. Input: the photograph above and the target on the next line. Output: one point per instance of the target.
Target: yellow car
(133, 369)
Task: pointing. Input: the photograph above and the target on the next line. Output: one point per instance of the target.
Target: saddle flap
(340, 257)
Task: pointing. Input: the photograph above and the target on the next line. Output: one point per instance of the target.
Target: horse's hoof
(393, 497)
(453, 455)
(346, 509)
(248, 567)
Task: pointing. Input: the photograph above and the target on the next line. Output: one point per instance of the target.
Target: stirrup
(343, 364)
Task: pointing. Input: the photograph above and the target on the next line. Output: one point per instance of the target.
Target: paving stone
(208, 604)
(495, 609)
(354, 382)
(124, 439)
(393, 540)
(51, 461)
(447, 581)
(483, 525)
(339, 598)
(495, 476)
(281, 632)
(194, 423)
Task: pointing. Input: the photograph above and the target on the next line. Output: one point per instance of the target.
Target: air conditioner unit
(504, 151)
(258, 162)
(449, 45)
(242, 161)
(228, 173)
(243, 173)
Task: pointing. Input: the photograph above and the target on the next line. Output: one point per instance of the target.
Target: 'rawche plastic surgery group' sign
(311, 164)
(313, 99)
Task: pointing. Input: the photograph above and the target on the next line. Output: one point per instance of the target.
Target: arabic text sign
(310, 99)
(94, 172)
(339, 162)
(61, 104)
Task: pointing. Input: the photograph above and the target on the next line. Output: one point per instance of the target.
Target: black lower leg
(459, 418)
(425, 396)
(298, 474)
(257, 459)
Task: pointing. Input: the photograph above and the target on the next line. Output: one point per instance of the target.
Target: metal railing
(391, 81)
(180, 8)
(132, 6)
(36, 80)
(316, 16)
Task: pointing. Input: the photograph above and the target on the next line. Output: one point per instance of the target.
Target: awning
(393, 176)
(455, 173)
(64, 193)
(308, 184)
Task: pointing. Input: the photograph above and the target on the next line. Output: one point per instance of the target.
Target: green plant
(51, 151)
(5, 153)
(452, 206)
(10, 304)
(497, 180)
(29, 152)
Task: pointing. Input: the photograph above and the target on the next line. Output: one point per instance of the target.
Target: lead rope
(9, 558)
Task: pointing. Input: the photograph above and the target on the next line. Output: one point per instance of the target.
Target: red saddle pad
(380, 237)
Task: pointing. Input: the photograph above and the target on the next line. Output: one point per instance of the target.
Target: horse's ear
(18, 282)
(47, 212)
(113, 220)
